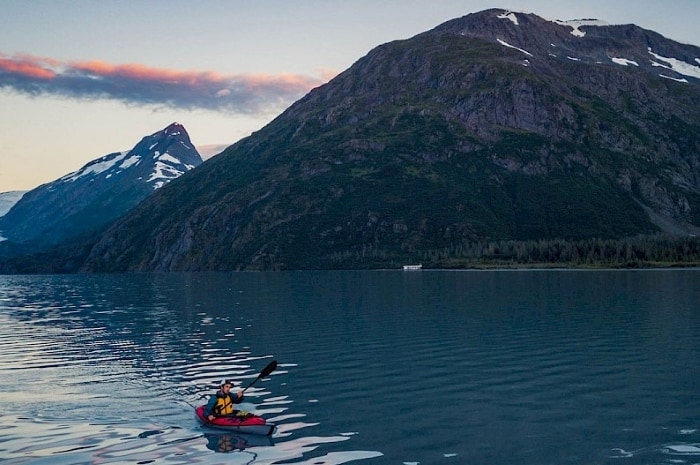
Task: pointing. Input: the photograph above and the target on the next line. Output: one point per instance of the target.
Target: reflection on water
(108, 369)
(385, 367)
(36, 442)
(229, 442)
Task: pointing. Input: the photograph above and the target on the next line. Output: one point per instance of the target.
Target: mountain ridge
(437, 140)
(473, 131)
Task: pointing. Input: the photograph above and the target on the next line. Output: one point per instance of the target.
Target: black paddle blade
(268, 369)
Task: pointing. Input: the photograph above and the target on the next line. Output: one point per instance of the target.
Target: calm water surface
(391, 367)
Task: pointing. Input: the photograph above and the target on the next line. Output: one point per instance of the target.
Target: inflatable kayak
(250, 424)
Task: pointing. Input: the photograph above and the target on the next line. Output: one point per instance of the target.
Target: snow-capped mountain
(155, 160)
(497, 126)
(101, 191)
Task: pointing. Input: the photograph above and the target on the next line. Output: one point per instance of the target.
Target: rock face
(497, 125)
(86, 200)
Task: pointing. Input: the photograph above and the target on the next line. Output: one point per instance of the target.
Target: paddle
(264, 373)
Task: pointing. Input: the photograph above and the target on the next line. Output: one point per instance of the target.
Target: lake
(375, 367)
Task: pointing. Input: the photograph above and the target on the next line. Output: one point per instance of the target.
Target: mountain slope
(497, 125)
(8, 200)
(101, 191)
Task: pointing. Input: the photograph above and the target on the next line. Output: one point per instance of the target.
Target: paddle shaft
(265, 372)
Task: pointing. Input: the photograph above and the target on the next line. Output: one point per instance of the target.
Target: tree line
(640, 251)
(635, 252)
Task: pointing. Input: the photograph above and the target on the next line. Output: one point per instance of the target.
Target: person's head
(226, 385)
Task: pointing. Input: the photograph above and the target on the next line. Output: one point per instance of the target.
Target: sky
(80, 79)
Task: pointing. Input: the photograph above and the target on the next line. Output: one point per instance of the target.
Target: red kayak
(249, 424)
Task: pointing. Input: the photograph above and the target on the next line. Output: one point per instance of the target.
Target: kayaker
(221, 403)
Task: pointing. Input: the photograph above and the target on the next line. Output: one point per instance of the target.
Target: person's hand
(211, 417)
(240, 394)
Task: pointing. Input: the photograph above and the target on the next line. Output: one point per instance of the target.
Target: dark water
(498, 367)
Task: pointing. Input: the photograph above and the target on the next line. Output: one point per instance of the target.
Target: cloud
(137, 84)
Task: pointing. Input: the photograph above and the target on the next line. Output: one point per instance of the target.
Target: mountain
(497, 126)
(101, 191)
(8, 200)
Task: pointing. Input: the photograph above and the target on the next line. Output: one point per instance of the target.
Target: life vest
(224, 405)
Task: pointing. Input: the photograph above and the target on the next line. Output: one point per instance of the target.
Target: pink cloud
(143, 85)
(26, 68)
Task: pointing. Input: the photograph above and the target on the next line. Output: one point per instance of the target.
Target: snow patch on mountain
(129, 162)
(163, 173)
(506, 44)
(674, 64)
(510, 16)
(624, 61)
(95, 167)
(576, 24)
(165, 170)
(166, 157)
(684, 80)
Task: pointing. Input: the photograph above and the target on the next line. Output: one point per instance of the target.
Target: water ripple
(438, 368)
(101, 369)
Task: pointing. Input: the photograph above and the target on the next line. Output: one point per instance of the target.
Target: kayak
(250, 424)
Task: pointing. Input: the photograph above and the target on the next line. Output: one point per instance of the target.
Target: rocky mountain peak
(102, 190)
(586, 41)
(177, 130)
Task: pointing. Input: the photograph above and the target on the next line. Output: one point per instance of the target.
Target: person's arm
(238, 398)
(209, 409)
